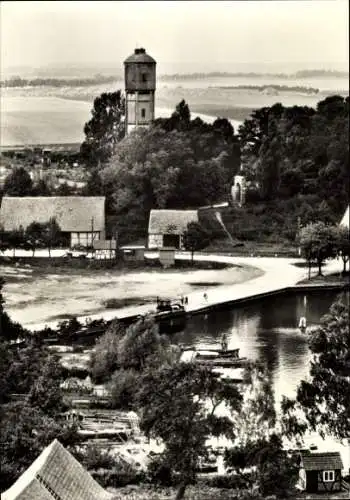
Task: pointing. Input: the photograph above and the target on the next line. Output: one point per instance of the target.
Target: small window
(143, 113)
(328, 476)
(144, 77)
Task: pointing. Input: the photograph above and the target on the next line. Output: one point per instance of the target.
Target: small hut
(320, 472)
(167, 227)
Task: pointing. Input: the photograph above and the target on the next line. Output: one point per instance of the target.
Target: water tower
(140, 86)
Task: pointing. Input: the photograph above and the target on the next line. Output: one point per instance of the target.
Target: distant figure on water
(302, 324)
(224, 344)
(205, 296)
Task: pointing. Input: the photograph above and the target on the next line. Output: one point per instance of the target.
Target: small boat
(227, 353)
(217, 357)
(224, 362)
(170, 316)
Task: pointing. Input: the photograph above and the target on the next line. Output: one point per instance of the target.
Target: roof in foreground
(56, 474)
(170, 221)
(139, 56)
(72, 213)
(345, 219)
(322, 461)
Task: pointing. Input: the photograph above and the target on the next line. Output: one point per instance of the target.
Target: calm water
(266, 330)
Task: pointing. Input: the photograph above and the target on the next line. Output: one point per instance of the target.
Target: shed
(166, 227)
(56, 474)
(133, 253)
(81, 218)
(320, 472)
(167, 256)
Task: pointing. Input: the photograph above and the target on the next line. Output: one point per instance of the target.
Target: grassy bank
(61, 264)
(330, 279)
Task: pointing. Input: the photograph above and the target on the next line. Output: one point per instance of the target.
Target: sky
(183, 36)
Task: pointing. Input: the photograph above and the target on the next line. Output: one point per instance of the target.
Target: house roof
(322, 461)
(346, 217)
(170, 221)
(72, 213)
(56, 470)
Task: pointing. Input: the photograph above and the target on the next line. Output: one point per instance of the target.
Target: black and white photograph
(174, 250)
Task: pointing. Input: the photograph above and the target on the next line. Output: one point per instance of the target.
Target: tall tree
(52, 234)
(18, 183)
(35, 235)
(273, 470)
(195, 238)
(174, 406)
(104, 130)
(318, 242)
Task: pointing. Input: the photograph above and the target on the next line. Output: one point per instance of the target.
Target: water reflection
(267, 331)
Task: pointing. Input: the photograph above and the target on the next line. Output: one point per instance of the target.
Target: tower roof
(139, 56)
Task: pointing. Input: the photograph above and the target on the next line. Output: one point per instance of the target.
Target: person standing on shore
(224, 343)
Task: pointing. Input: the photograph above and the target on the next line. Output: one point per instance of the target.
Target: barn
(81, 218)
(166, 227)
(321, 472)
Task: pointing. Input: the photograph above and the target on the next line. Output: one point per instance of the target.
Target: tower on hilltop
(140, 86)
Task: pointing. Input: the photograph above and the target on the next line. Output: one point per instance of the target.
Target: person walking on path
(186, 301)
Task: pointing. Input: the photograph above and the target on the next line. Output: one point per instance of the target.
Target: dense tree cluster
(36, 235)
(299, 152)
(30, 397)
(177, 163)
(320, 241)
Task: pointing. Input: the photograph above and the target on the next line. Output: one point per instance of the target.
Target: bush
(158, 472)
(118, 477)
(229, 481)
(122, 388)
(93, 458)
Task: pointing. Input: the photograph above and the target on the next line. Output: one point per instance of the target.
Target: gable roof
(170, 221)
(72, 213)
(345, 219)
(322, 461)
(56, 474)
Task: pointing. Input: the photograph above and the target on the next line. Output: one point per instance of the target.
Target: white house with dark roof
(167, 227)
(54, 475)
(81, 218)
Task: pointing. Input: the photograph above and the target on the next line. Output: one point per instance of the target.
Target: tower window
(143, 113)
(144, 77)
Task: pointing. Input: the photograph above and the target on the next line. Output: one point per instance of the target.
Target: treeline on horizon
(223, 74)
(294, 88)
(17, 81)
(56, 82)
